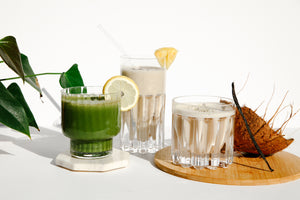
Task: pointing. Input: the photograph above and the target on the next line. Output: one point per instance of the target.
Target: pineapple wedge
(165, 56)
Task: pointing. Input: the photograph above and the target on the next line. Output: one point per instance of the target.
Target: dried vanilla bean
(248, 128)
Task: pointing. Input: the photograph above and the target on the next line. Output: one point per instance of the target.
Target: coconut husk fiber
(269, 140)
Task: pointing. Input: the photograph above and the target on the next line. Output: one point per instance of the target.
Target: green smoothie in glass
(90, 119)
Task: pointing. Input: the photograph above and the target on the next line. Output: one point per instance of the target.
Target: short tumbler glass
(143, 126)
(90, 119)
(202, 131)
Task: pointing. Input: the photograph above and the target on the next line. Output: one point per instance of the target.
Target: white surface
(27, 171)
(218, 41)
(118, 159)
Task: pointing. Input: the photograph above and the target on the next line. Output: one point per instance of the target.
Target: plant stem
(1, 61)
(6, 79)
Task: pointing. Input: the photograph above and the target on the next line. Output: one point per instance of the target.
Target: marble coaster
(118, 159)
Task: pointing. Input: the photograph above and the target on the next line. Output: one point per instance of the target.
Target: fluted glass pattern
(202, 134)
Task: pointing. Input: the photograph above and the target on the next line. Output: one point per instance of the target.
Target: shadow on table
(148, 156)
(47, 143)
(4, 152)
(50, 142)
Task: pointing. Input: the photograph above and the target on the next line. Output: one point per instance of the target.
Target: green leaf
(71, 78)
(15, 90)
(33, 81)
(12, 113)
(10, 54)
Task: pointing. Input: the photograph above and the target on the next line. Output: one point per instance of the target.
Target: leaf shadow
(47, 143)
(4, 152)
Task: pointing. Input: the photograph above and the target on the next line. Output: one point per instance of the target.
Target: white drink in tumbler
(143, 126)
(202, 132)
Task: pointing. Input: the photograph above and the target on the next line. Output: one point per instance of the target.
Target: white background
(218, 42)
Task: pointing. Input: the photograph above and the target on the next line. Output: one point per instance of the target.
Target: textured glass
(143, 126)
(202, 132)
(90, 119)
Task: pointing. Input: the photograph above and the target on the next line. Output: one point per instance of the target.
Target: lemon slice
(128, 89)
(165, 56)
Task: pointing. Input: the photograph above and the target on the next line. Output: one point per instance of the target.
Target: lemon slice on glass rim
(128, 89)
(165, 56)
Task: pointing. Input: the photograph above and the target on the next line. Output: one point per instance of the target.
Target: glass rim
(229, 100)
(64, 91)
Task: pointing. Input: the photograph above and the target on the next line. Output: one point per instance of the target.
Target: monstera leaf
(71, 78)
(15, 90)
(19, 63)
(12, 113)
(10, 54)
(30, 78)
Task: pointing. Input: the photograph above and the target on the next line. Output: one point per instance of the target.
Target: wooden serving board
(243, 170)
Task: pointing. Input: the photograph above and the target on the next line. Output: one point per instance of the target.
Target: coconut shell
(269, 140)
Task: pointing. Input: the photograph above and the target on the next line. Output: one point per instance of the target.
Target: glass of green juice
(90, 119)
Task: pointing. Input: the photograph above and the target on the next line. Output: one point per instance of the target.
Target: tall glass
(90, 119)
(143, 126)
(202, 131)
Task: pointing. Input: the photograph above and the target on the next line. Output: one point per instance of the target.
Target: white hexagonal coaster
(118, 159)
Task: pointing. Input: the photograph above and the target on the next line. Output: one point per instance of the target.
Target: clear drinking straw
(112, 40)
(51, 99)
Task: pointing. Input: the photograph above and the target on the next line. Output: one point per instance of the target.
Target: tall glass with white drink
(143, 126)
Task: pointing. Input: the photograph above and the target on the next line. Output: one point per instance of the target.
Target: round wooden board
(243, 170)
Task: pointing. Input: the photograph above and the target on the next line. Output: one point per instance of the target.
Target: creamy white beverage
(143, 126)
(150, 80)
(202, 134)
